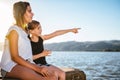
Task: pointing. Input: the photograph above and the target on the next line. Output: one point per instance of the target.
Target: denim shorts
(44, 65)
(3, 73)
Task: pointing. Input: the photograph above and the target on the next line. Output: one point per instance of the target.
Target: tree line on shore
(112, 45)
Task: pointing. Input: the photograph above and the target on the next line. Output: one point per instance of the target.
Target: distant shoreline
(89, 46)
(80, 51)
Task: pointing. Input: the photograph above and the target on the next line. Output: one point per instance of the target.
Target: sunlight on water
(96, 65)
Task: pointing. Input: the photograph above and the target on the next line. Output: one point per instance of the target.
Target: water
(96, 65)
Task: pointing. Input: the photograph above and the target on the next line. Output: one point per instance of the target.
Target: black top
(37, 48)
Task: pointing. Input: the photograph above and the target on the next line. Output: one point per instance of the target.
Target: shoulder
(14, 28)
(13, 32)
(41, 37)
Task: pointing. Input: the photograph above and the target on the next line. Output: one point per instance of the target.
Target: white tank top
(24, 49)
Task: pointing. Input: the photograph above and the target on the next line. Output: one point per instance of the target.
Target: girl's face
(28, 15)
(37, 31)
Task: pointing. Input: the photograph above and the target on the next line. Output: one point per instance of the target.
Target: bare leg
(27, 74)
(59, 72)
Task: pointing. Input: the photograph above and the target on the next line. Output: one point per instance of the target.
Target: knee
(54, 75)
(62, 73)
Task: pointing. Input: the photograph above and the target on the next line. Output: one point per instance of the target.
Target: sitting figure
(35, 30)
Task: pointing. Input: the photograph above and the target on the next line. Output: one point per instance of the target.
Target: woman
(17, 59)
(38, 51)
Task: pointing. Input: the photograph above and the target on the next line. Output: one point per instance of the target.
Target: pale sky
(99, 19)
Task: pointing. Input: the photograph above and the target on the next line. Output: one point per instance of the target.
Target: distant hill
(113, 45)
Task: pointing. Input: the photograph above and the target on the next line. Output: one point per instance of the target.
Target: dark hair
(19, 9)
(32, 25)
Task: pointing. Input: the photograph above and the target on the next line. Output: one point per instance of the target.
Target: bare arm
(44, 53)
(59, 32)
(13, 40)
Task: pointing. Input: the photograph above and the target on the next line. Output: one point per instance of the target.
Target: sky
(98, 19)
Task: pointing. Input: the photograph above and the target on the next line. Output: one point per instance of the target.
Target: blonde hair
(19, 9)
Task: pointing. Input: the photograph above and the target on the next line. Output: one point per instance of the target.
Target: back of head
(32, 25)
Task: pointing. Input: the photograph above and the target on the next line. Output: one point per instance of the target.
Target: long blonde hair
(19, 9)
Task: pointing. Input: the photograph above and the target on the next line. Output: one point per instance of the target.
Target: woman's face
(28, 15)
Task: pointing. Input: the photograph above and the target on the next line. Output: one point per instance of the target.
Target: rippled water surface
(96, 65)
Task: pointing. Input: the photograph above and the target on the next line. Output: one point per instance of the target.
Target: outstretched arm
(59, 32)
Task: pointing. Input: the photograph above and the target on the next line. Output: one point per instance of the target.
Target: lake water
(96, 65)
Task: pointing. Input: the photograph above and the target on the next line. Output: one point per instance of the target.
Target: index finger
(78, 28)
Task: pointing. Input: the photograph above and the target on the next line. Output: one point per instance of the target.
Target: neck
(34, 38)
(25, 28)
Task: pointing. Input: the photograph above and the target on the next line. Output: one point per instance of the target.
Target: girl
(38, 51)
